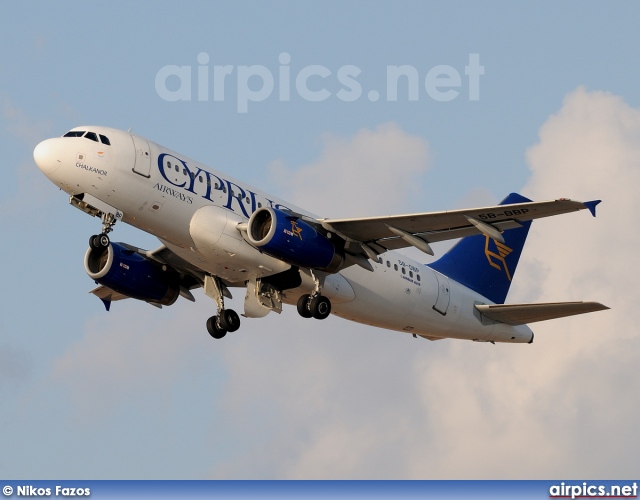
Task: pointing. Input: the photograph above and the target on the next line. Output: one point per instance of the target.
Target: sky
(496, 97)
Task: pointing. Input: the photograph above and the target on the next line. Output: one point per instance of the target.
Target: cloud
(372, 173)
(133, 356)
(320, 399)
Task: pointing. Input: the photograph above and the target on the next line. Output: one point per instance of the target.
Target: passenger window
(74, 133)
(410, 274)
(92, 136)
(184, 171)
(168, 164)
(259, 205)
(105, 140)
(388, 264)
(404, 271)
(200, 178)
(418, 277)
(177, 169)
(395, 267)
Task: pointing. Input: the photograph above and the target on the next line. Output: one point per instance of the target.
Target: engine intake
(292, 240)
(132, 274)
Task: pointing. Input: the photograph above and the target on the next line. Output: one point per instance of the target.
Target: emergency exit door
(442, 302)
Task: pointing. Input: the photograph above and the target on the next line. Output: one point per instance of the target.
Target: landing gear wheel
(320, 307)
(303, 306)
(104, 240)
(98, 241)
(214, 328)
(229, 320)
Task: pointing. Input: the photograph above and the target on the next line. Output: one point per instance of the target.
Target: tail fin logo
(497, 260)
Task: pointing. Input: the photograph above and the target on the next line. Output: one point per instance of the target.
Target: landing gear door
(442, 302)
(142, 164)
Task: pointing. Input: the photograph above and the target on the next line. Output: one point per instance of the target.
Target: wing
(107, 295)
(520, 314)
(374, 235)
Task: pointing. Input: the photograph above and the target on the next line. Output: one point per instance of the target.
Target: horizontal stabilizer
(520, 314)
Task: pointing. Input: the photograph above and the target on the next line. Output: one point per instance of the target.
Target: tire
(303, 306)
(94, 244)
(229, 320)
(214, 330)
(320, 307)
(103, 240)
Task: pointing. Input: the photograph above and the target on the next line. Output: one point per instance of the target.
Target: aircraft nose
(48, 156)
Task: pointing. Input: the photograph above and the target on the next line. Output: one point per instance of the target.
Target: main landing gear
(227, 320)
(318, 306)
(314, 305)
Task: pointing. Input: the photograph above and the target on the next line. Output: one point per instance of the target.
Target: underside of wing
(429, 337)
(193, 275)
(107, 295)
(521, 314)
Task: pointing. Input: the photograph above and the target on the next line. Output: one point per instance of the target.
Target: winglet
(591, 205)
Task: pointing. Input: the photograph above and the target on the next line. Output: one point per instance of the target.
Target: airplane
(219, 233)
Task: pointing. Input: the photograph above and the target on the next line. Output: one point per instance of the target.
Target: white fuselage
(195, 211)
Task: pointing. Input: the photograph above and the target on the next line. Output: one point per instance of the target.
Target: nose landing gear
(101, 240)
(98, 241)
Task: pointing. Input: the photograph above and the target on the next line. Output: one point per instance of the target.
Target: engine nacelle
(286, 237)
(132, 274)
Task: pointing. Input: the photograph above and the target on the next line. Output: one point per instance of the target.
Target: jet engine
(132, 274)
(287, 237)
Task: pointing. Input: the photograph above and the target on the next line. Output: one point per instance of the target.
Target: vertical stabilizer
(484, 264)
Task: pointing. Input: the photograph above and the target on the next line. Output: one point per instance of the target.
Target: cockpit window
(89, 135)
